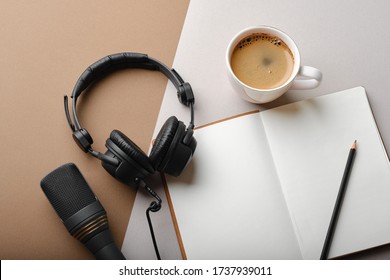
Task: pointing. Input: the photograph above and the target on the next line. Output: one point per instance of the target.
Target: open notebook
(263, 185)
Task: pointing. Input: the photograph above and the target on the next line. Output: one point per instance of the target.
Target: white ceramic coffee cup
(310, 77)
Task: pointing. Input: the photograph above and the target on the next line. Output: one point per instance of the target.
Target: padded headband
(114, 62)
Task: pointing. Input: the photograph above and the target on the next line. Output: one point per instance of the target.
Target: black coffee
(262, 61)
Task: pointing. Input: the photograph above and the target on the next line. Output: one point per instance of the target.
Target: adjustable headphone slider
(184, 90)
(67, 114)
(185, 94)
(81, 136)
(83, 139)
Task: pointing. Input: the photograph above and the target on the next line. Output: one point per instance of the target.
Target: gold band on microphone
(90, 227)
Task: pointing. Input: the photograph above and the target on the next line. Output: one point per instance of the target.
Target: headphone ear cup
(169, 154)
(163, 142)
(134, 163)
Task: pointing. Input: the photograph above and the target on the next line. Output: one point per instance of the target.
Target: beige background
(45, 46)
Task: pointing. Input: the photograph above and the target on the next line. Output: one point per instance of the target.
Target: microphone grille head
(67, 190)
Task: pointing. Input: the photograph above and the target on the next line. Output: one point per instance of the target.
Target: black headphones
(124, 160)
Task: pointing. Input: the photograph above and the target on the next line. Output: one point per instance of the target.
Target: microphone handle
(103, 247)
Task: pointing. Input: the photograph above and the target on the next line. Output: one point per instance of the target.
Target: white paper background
(346, 40)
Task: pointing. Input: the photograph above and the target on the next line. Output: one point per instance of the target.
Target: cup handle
(312, 78)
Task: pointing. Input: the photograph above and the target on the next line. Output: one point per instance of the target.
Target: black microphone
(80, 211)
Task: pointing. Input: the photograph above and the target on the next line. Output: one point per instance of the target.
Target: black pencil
(339, 201)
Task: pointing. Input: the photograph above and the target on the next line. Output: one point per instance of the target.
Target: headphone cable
(154, 207)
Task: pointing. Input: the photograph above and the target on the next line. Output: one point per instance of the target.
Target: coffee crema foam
(262, 61)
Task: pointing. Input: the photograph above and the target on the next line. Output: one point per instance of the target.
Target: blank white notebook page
(310, 142)
(228, 202)
(264, 185)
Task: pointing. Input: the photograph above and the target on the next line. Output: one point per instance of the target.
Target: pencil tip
(354, 145)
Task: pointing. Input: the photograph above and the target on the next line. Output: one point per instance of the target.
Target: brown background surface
(45, 46)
